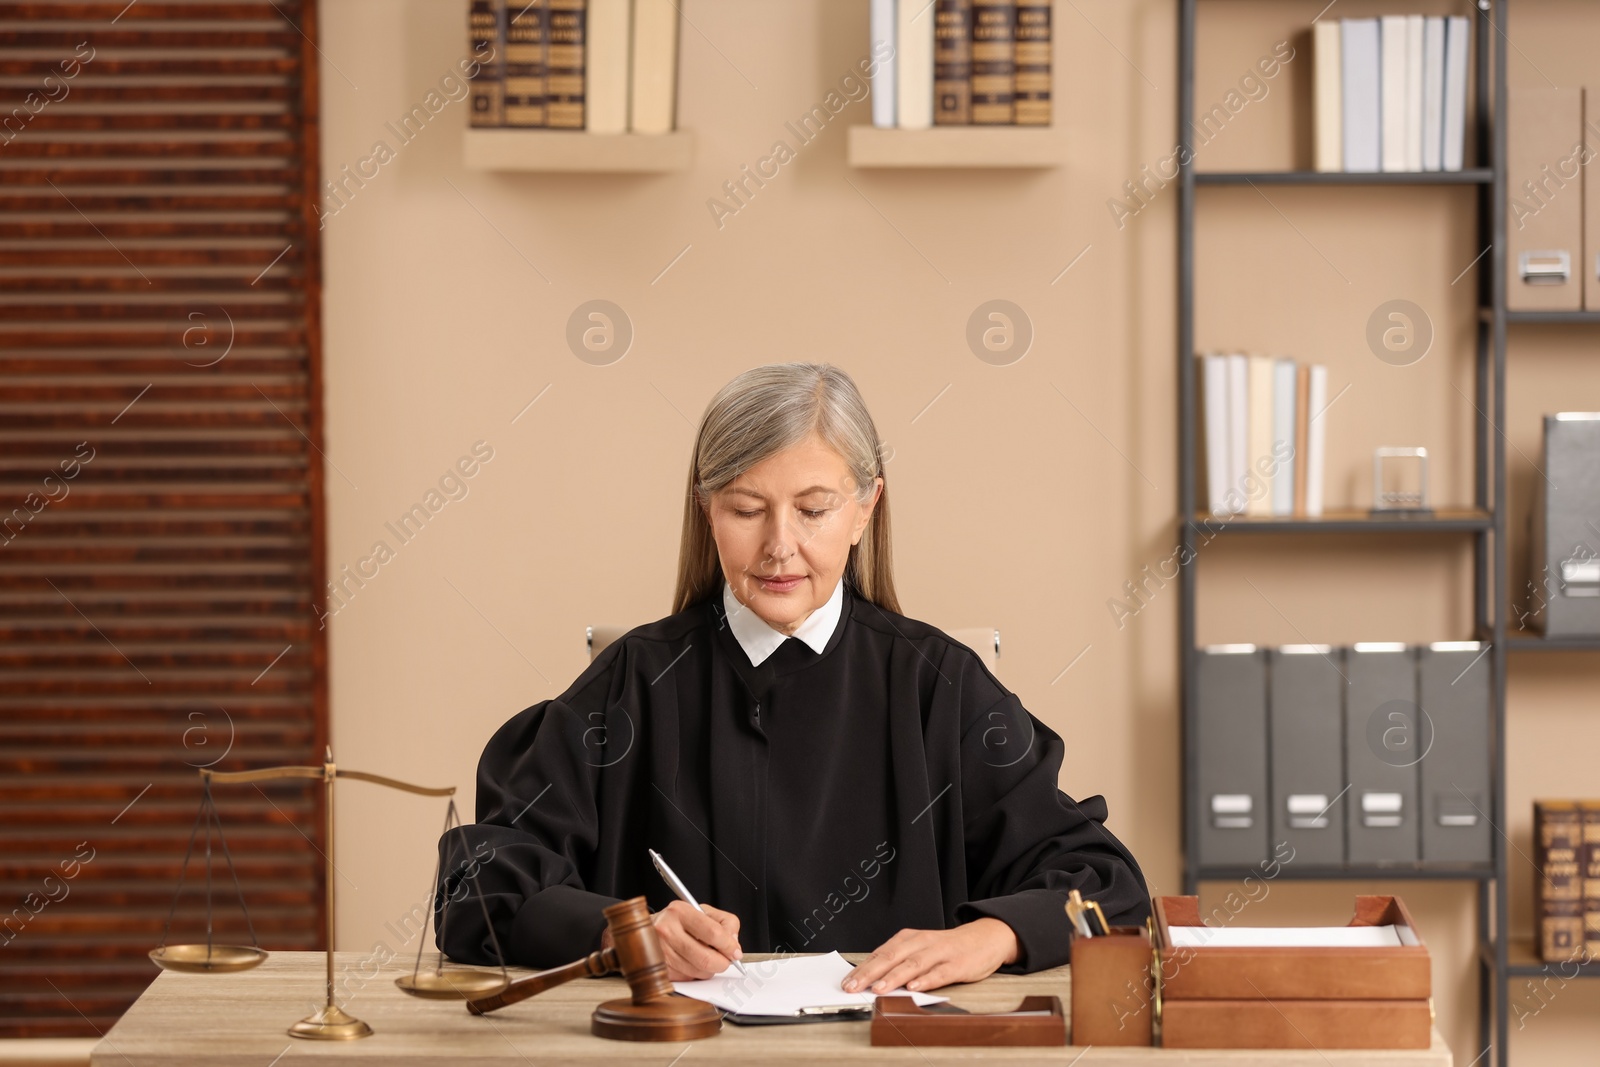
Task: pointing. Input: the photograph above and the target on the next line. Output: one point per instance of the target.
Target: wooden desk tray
(1304, 1024)
(1237, 973)
(898, 1021)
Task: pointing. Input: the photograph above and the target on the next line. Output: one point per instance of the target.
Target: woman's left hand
(928, 959)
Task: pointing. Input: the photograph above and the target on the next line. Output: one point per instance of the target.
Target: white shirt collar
(760, 640)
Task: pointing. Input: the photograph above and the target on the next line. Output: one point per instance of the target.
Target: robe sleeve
(537, 829)
(1027, 842)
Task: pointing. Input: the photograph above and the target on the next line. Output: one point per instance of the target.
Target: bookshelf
(576, 151)
(986, 147)
(1485, 522)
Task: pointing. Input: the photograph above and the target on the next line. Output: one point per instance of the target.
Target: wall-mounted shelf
(1352, 520)
(1554, 318)
(575, 151)
(1540, 643)
(1476, 176)
(1388, 872)
(985, 147)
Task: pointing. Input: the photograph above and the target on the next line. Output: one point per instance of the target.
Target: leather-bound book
(564, 67)
(525, 45)
(1557, 880)
(952, 63)
(994, 67)
(486, 25)
(1033, 63)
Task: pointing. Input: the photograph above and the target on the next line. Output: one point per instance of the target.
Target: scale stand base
(330, 1024)
(666, 1019)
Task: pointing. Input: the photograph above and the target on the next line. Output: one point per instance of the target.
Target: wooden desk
(238, 1020)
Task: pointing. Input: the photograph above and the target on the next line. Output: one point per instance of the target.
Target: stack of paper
(786, 987)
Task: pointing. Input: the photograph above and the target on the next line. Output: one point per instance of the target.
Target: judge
(821, 771)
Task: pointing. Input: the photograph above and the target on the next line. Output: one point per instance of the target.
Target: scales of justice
(331, 1022)
(652, 1012)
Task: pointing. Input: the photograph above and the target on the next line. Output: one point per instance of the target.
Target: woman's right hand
(697, 945)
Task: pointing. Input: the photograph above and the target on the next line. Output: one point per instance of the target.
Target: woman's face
(784, 529)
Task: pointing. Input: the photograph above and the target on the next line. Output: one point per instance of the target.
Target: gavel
(652, 1013)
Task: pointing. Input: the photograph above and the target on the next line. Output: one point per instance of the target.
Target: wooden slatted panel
(160, 485)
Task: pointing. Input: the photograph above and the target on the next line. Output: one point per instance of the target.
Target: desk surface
(239, 1020)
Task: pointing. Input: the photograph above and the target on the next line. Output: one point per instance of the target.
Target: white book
(1260, 439)
(1238, 431)
(1414, 25)
(913, 94)
(655, 65)
(1214, 390)
(1457, 48)
(605, 59)
(1363, 121)
(881, 43)
(1393, 40)
(1283, 437)
(1432, 92)
(1316, 437)
(1328, 112)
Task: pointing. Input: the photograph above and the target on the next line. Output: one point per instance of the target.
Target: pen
(677, 886)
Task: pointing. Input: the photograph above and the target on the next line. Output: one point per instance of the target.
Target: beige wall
(1024, 496)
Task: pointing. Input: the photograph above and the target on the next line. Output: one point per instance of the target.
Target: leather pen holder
(1113, 989)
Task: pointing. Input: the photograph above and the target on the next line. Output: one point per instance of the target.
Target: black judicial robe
(828, 799)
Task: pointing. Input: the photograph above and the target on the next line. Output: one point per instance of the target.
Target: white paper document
(1284, 936)
(786, 986)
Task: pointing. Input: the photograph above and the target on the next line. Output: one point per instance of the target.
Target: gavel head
(638, 949)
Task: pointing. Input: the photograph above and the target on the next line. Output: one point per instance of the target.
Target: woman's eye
(814, 514)
(745, 514)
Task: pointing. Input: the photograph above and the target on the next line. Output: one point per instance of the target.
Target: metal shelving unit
(1485, 522)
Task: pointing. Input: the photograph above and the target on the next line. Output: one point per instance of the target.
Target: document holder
(1113, 995)
(1233, 996)
(1036, 1022)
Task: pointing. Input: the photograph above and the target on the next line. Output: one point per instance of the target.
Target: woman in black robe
(826, 772)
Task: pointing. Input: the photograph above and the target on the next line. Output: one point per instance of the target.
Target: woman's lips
(781, 584)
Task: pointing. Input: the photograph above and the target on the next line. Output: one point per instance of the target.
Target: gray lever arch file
(1305, 705)
(1382, 749)
(1453, 682)
(1232, 753)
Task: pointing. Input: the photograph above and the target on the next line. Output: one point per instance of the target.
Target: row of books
(1265, 437)
(1391, 93)
(960, 62)
(604, 66)
(1566, 883)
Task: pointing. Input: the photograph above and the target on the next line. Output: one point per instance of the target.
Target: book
(952, 62)
(1259, 421)
(1557, 885)
(1282, 437)
(913, 93)
(1432, 93)
(1414, 27)
(1589, 856)
(1032, 34)
(524, 80)
(1238, 431)
(1361, 106)
(654, 84)
(1302, 415)
(994, 62)
(882, 19)
(1214, 402)
(564, 73)
(1394, 49)
(605, 63)
(486, 35)
(1327, 114)
(1457, 49)
(1316, 437)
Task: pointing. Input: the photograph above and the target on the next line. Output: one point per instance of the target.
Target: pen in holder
(1112, 987)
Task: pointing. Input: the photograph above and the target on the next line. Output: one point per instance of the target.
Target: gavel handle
(594, 964)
